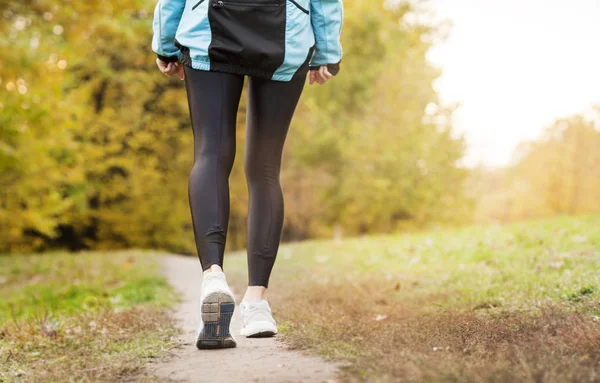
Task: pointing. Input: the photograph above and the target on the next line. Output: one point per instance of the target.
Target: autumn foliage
(96, 145)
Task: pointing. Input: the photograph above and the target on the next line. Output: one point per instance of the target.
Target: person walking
(214, 45)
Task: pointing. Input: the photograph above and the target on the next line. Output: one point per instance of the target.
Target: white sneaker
(216, 307)
(257, 320)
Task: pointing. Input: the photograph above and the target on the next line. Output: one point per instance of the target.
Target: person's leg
(213, 100)
(271, 106)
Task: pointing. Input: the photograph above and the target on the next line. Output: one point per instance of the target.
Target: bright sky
(515, 66)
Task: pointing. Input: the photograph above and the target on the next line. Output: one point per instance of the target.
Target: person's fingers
(324, 74)
(312, 77)
(180, 71)
(172, 69)
(165, 68)
(321, 77)
(161, 65)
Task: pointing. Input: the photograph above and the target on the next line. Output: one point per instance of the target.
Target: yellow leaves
(143, 139)
(37, 221)
(6, 149)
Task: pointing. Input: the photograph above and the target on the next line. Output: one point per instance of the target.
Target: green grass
(514, 266)
(82, 317)
(518, 303)
(517, 298)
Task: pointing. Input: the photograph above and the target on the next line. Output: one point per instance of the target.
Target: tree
(96, 146)
(561, 170)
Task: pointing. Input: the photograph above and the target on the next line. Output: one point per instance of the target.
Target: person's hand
(320, 75)
(170, 69)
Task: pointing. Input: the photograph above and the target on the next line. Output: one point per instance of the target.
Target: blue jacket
(275, 39)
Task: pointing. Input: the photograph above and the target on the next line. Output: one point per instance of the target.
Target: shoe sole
(259, 330)
(262, 334)
(217, 310)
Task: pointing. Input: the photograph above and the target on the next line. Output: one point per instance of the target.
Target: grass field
(82, 318)
(519, 303)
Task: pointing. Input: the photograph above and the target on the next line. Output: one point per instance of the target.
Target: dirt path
(254, 360)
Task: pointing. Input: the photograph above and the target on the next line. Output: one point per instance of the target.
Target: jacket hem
(232, 69)
(207, 65)
(238, 69)
(196, 64)
(279, 77)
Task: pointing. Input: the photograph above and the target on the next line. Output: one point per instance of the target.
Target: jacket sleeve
(327, 17)
(167, 15)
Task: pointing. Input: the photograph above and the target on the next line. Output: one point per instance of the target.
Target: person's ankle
(214, 268)
(255, 294)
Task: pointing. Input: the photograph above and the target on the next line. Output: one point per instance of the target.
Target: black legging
(213, 100)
